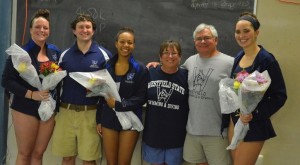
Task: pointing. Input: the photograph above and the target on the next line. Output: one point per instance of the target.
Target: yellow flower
(92, 81)
(22, 67)
(236, 84)
(54, 66)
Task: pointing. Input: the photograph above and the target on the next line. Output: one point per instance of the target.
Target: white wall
(279, 33)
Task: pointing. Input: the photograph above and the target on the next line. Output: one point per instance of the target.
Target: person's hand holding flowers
(51, 77)
(243, 94)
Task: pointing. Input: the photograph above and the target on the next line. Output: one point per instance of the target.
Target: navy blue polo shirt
(73, 60)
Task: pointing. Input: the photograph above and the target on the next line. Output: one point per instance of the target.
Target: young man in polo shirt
(75, 130)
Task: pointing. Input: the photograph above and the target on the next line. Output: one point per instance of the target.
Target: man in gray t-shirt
(205, 143)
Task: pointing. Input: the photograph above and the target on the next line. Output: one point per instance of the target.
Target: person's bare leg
(247, 152)
(203, 163)
(93, 162)
(110, 140)
(26, 128)
(43, 137)
(69, 160)
(230, 135)
(127, 142)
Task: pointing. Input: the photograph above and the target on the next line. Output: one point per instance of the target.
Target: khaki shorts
(211, 149)
(75, 135)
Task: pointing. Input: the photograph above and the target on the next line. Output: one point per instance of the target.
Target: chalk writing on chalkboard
(152, 20)
(221, 4)
(96, 14)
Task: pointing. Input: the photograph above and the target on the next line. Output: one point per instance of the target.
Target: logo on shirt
(129, 78)
(94, 64)
(164, 91)
(200, 80)
(54, 56)
(163, 95)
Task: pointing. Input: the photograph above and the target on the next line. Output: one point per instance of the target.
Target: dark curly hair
(40, 13)
(83, 17)
(123, 30)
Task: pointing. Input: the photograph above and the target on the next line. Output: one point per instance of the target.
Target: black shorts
(110, 120)
(259, 130)
(26, 106)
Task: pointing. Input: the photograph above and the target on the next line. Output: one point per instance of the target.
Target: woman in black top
(254, 57)
(131, 77)
(32, 134)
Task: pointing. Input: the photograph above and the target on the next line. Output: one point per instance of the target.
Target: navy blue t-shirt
(167, 109)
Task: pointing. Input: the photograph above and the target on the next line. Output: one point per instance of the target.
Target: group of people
(183, 119)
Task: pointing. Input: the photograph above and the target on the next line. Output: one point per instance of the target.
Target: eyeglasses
(173, 54)
(206, 38)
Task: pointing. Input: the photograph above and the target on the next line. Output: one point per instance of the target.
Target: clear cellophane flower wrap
(22, 63)
(228, 96)
(100, 83)
(245, 98)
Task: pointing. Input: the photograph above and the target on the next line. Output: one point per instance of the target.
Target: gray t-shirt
(204, 75)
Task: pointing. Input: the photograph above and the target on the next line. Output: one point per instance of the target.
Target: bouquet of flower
(246, 92)
(51, 75)
(100, 83)
(228, 96)
(22, 63)
(48, 68)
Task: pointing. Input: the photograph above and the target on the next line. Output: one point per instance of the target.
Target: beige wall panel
(280, 34)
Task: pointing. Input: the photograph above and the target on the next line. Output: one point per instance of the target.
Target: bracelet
(31, 95)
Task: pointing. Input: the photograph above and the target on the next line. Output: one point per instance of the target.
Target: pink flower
(241, 75)
(260, 78)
